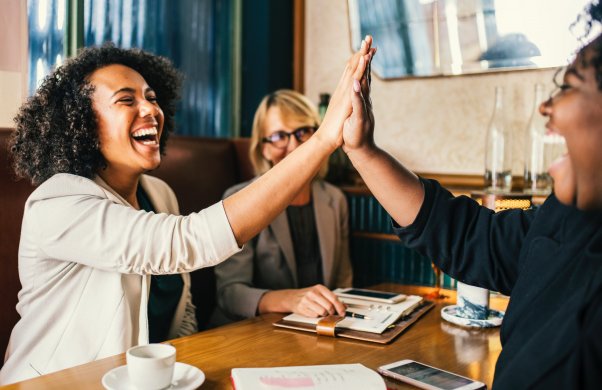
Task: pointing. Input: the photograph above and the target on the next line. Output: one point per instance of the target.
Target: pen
(356, 315)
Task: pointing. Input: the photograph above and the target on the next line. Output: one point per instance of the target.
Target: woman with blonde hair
(294, 262)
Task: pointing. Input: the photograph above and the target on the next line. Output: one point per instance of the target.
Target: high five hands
(356, 73)
(358, 129)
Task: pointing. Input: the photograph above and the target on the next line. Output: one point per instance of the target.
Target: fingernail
(356, 85)
(366, 38)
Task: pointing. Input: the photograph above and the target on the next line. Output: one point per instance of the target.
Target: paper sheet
(323, 377)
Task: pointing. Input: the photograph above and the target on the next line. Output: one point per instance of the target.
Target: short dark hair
(56, 129)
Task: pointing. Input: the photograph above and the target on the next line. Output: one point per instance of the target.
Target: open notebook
(377, 316)
(382, 322)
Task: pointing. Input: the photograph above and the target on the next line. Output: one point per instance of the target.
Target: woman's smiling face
(130, 121)
(575, 112)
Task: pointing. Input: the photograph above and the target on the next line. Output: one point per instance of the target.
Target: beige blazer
(268, 261)
(85, 257)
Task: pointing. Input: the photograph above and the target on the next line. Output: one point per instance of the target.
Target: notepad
(378, 316)
(323, 377)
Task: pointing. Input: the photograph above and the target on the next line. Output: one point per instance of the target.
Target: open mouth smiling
(146, 136)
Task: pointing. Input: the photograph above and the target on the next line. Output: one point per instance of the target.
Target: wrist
(363, 154)
(275, 301)
(324, 137)
(325, 143)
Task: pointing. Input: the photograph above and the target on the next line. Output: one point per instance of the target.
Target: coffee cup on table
(473, 302)
(151, 366)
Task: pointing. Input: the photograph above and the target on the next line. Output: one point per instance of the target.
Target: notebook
(384, 322)
(323, 377)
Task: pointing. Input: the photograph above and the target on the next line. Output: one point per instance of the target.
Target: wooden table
(256, 343)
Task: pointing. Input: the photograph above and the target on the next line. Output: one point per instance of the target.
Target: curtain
(47, 26)
(199, 36)
(195, 34)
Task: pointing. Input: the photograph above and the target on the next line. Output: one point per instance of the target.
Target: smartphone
(370, 295)
(427, 377)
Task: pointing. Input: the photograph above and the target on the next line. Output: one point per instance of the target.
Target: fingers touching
(358, 126)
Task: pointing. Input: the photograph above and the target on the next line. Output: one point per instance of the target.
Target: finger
(332, 299)
(367, 85)
(368, 40)
(320, 298)
(365, 48)
(340, 308)
(357, 103)
(365, 81)
(368, 73)
(354, 61)
(317, 309)
(361, 68)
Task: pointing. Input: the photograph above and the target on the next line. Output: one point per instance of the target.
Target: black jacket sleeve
(468, 242)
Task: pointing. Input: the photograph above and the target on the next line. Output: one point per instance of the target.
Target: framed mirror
(421, 38)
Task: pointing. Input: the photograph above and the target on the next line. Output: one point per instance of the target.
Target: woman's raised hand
(358, 130)
(251, 209)
(339, 107)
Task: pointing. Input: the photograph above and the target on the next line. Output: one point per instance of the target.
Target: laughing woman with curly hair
(102, 248)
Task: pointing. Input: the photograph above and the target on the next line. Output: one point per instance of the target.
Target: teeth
(143, 132)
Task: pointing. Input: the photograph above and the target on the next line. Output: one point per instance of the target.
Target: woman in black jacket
(548, 260)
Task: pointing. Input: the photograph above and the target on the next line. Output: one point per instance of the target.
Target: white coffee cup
(473, 302)
(151, 366)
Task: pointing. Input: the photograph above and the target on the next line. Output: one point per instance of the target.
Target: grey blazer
(268, 261)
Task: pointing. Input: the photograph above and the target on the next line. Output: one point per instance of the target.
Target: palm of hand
(340, 103)
(358, 129)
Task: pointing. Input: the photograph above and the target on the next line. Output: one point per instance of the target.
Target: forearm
(251, 209)
(396, 188)
(275, 302)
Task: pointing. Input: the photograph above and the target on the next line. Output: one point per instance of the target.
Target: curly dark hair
(56, 129)
(592, 16)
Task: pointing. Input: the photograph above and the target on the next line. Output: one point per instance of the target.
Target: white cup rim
(158, 351)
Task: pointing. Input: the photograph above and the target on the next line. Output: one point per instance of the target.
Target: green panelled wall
(377, 255)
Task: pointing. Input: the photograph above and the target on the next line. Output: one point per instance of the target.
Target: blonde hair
(292, 105)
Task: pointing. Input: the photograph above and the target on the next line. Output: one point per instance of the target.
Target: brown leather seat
(198, 169)
(13, 194)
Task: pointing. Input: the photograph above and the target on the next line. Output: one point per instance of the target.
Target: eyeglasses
(280, 138)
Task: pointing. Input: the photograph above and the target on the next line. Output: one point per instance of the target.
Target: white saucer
(495, 318)
(185, 377)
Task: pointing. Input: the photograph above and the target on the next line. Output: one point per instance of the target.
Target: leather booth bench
(199, 170)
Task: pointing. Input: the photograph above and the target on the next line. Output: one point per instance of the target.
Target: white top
(85, 258)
